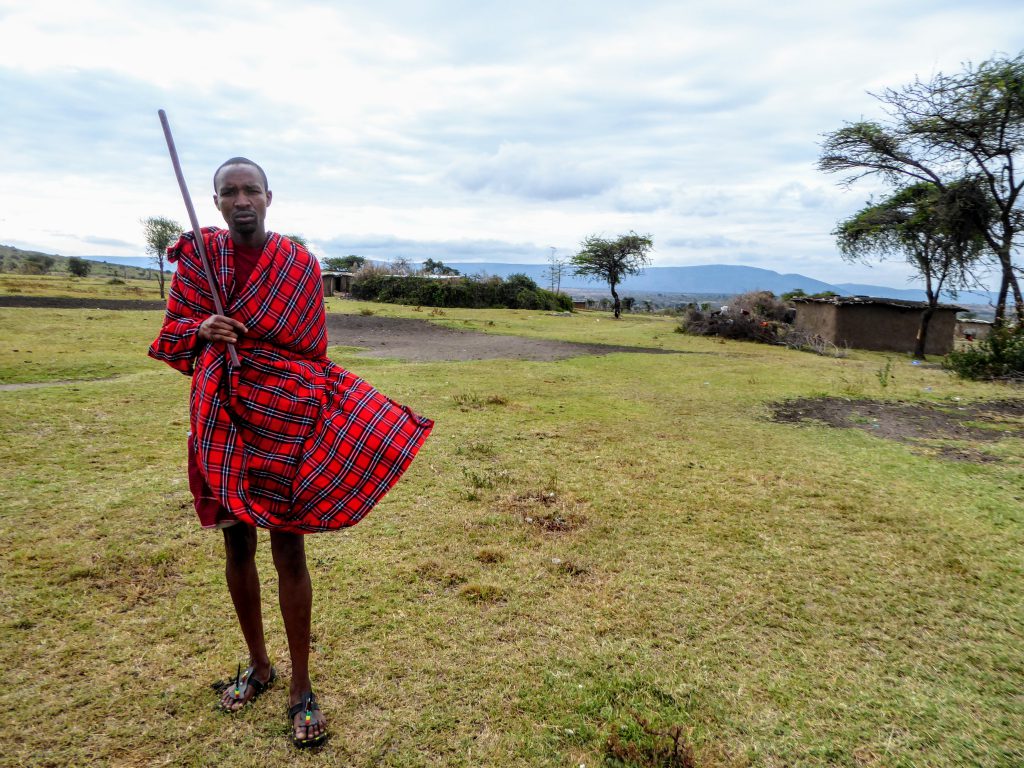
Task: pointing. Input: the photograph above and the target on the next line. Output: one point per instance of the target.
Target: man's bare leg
(244, 586)
(295, 594)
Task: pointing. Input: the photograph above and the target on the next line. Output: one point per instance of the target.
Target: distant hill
(704, 280)
(137, 267)
(727, 279)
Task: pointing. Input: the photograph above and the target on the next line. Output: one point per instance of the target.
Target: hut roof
(872, 301)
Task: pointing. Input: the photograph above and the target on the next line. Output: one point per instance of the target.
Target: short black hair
(240, 161)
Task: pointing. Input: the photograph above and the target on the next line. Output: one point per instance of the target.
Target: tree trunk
(618, 304)
(922, 329)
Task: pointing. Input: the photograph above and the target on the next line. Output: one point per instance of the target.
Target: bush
(36, 264)
(79, 267)
(999, 356)
(517, 292)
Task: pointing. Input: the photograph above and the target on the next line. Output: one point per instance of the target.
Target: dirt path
(401, 338)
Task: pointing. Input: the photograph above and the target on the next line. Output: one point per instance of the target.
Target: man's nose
(242, 200)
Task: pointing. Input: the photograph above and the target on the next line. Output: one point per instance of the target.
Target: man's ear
(216, 202)
(270, 196)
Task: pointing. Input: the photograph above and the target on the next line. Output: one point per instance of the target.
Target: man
(286, 441)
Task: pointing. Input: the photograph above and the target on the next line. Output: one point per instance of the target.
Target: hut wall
(819, 319)
(880, 327)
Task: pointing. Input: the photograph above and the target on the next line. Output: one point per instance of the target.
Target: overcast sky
(467, 130)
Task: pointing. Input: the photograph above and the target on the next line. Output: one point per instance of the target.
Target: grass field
(589, 558)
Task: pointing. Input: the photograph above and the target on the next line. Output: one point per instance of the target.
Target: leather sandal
(244, 681)
(307, 705)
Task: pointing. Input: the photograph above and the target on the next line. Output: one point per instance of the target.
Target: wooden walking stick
(196, 231)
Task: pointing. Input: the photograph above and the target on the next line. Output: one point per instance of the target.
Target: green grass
(95, 286)
(581, 545)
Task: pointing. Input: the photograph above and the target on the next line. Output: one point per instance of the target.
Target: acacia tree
(431, 267)
(612, 260)
(940, 232)
(160, 234)
(350, 263)
(941, 130)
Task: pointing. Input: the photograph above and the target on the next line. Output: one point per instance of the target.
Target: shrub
(79, 267)
(517, 292)
(36, 264)
(999, 356)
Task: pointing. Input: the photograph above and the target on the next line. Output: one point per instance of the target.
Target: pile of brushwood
(515, 292)
(754, 316)
(999, 356)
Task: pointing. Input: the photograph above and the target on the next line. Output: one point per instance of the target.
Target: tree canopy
(612, 260)
(968, 124)
(431, 267)
(350, 263)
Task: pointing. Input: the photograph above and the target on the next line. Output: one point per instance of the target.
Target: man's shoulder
(185, 248)
(282, 244)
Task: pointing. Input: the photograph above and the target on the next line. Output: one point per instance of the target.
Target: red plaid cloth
(289, 441)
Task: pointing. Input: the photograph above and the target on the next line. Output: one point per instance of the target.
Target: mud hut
(337, 282)
(866, 322)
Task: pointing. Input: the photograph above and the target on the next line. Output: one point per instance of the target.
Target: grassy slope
(791, 595)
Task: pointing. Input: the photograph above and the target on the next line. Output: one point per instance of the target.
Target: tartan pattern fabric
(289, 440)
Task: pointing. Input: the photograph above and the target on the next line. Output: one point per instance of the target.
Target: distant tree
(299, 239)
(350, 263)
(938, 131)
(556, 270)
(79, 267)
(796, 293)
(612, 260)
(160, 233)
(400, 266)
(940, 232)
(36, 264)
(627, 303)
(431, 267)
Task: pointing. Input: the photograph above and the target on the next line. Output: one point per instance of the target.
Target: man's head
(242, 196)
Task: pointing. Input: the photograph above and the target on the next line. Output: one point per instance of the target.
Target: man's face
(242, 200)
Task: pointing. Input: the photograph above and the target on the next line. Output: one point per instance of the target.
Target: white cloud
(466, 123)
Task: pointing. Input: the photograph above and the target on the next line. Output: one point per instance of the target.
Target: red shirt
(245, 263)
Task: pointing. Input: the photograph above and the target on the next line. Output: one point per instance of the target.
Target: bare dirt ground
(71, 302)
(421, 340)
(956, 425)
(401, 338)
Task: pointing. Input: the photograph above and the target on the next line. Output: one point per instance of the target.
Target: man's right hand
(221, 328)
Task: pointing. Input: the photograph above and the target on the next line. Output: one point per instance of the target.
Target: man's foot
(246, 687)
(309, 726)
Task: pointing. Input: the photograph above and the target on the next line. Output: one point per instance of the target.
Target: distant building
(865, 322)
(972, 329)
(337, 282)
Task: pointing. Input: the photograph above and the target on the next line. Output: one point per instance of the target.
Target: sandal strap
(257, 686)
(305, 704)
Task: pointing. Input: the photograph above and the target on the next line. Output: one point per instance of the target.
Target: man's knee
(289, 550)
(239, 544)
